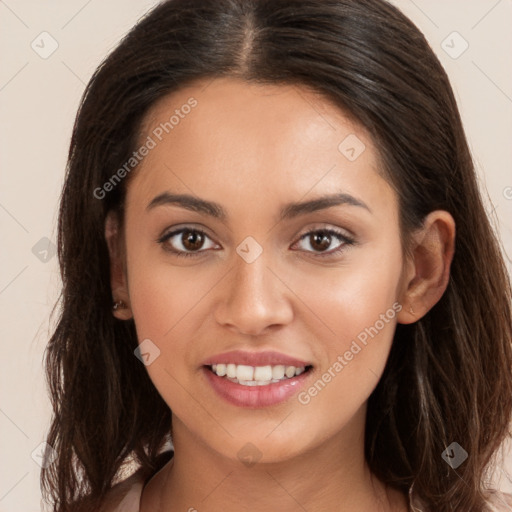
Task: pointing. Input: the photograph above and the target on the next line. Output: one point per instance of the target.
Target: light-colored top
(131, 492)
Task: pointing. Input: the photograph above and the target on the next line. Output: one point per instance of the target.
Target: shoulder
(496, 501)
(125, 495)
(499, 501)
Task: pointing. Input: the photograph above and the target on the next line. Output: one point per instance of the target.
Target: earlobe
(429, 269)
(120, 298)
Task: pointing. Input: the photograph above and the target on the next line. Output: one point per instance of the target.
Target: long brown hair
(448, 376)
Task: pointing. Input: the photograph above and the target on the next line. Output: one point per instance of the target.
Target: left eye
(319, 240)
(190, 241)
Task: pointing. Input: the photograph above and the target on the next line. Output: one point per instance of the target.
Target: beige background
(38, 101)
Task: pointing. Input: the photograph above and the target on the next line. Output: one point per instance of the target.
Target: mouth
(267, 375)
(256, 386)
(256, 379)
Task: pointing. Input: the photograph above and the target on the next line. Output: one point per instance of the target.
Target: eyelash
(347, 241)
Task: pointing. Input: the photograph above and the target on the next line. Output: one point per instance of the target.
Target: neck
(332, 476)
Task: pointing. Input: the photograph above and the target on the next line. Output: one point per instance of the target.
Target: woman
(275, 259)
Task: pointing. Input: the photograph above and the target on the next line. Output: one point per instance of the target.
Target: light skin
(252, 149)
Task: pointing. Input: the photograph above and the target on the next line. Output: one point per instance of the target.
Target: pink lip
(255, 359)
(255, 396)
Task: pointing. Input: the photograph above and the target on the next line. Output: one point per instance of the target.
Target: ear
(118, 278)
(428, 268)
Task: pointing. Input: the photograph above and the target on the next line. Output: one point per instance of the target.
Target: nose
(254, 298)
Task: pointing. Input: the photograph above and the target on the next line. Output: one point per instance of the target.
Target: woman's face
(263, 276)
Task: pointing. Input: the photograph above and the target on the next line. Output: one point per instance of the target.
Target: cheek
(163, 297)
(353, 310)
(170, 304)
(163, 294)
(166, 305)
(351, 296)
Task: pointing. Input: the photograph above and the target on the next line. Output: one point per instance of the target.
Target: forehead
(226, 135)
(229, 109)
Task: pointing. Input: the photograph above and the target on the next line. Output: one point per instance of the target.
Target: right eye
(184, 242)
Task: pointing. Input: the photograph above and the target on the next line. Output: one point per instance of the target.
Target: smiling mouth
(257, 375)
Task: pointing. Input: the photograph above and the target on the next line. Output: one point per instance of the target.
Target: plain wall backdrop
(49, 51)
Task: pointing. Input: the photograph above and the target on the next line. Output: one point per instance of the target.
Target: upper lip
(265, 358)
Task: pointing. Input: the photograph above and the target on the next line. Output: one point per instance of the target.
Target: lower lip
(256, 396)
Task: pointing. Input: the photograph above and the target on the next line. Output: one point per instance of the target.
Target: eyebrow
(288, 211)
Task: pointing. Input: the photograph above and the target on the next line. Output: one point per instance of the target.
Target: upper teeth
(256, 374)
